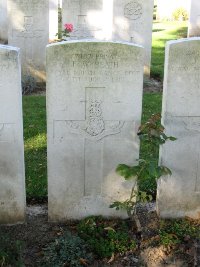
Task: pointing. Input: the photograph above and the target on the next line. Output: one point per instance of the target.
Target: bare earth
(37, 233)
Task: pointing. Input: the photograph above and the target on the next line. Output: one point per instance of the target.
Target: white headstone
(118, 20)
(12, 178)
(94, 103)
(194, 21)
(86, 17)
(133, 23)
(29, 30)
(3, 22)
(179, 194)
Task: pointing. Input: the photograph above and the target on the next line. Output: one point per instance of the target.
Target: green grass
(163, 32)
(34, 108)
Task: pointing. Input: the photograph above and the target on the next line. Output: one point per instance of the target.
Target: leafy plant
(152, 135)
(106, 238)
(10, 252)
(177, 231)
(67, 250)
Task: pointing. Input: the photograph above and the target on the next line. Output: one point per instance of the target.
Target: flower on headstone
(65, 34)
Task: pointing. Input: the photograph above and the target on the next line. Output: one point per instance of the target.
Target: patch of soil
(152, 86)
(37, 233)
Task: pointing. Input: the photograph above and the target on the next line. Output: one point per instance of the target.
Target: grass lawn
(163, 32)
(34, 108)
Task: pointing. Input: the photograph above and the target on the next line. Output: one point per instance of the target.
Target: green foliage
(67, 250)
(177, 231)
(180, 14)
(105, 238)
(10, 252)
(151, 133)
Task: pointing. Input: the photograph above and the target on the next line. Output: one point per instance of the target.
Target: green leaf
(171, 138)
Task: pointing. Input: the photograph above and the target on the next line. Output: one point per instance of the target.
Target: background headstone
(194, 21)
(179, 194)
(132, 22)
(118, 20)
(12, 178)
(94, 103)
(29, 22)
(3, 22)
(86, 16)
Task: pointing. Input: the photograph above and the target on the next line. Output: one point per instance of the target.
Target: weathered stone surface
(29, 30)
(3, 22)
(12, 178)
(179, 194)
(194, 21)
(118, 20)
(94, 102)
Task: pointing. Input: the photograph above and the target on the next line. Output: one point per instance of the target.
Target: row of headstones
(94, 105)
(32, 23)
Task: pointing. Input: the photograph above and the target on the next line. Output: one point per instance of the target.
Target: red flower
(68, 27)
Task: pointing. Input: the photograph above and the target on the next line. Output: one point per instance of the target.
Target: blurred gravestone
(12, 178)
(3, 22)
(94, 109)
(29, 29)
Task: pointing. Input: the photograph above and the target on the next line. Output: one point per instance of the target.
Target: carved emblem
(95, 122)
(133, 10)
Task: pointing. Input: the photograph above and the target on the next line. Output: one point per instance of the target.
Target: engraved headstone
(12, 178)
(179, 194)
(94, 107)
(132, 22)
(29, 22)
(3, 22)
(118, 20)
(194, 20)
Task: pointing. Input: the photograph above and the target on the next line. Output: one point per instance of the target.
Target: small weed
(177, 231)
(28, 84)
(10, 252)
(67, 250)
(105, 238)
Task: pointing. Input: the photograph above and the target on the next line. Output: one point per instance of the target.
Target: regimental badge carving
(133, 10)
(95, 123)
